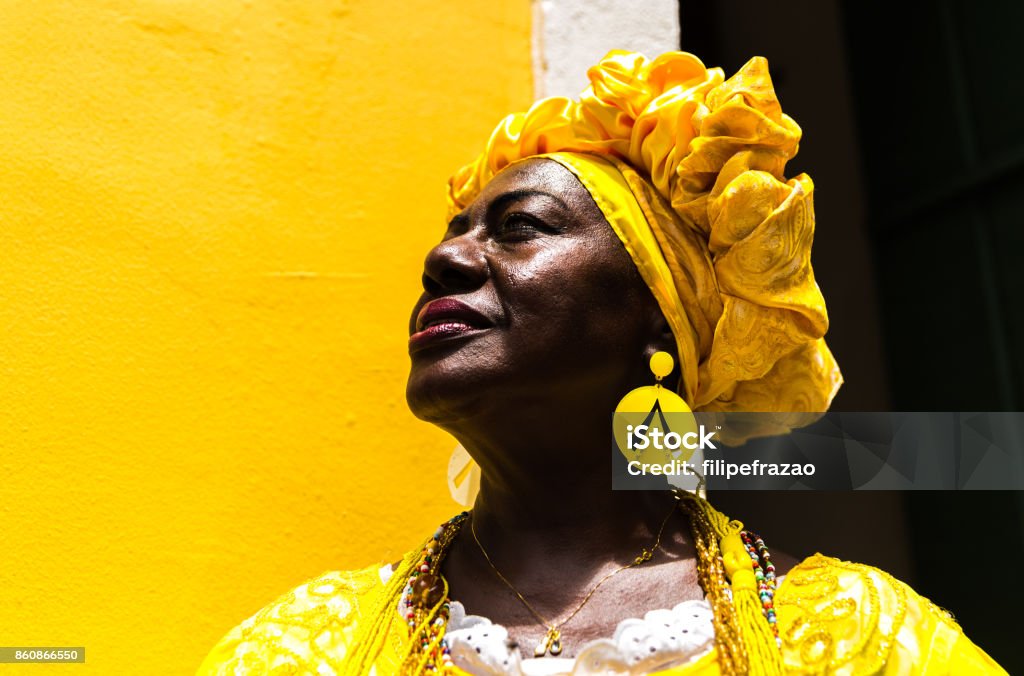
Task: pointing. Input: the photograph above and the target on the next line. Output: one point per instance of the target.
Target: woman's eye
(519, 226)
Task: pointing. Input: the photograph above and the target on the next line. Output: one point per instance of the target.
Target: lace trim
(662, 639)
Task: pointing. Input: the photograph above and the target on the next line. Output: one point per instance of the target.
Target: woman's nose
(457, 264)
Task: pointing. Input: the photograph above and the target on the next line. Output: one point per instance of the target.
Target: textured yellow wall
(213, 216)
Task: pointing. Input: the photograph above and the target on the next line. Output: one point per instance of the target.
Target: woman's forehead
(535, 173)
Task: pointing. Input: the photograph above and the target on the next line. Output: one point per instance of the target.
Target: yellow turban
(688, 170)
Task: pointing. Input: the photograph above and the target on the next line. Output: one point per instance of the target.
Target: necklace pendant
(551, 643)
(556, 644)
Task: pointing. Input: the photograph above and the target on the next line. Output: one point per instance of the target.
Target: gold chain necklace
(552, 641)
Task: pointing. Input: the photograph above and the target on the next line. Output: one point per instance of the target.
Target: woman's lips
(444, 319)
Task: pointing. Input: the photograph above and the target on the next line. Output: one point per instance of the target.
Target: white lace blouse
(661, 639)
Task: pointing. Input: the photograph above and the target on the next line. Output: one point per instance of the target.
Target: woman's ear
(663, 340)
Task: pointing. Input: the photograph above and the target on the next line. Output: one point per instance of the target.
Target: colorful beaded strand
(764, 573)
(426, 602)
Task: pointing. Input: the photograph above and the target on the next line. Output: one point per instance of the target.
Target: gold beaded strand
(732, 655)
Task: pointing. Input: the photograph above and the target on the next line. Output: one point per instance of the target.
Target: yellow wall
(213, 216)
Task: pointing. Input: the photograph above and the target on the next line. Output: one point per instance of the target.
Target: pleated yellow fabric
(703, 157)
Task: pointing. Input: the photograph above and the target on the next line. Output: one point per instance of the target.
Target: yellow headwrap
(688, 171)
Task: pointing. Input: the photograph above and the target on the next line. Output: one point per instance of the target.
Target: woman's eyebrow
(460, 222)
(504, 198)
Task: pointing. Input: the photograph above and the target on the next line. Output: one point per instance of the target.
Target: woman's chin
(439, 392)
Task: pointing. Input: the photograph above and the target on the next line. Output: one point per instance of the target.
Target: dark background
(912, 119)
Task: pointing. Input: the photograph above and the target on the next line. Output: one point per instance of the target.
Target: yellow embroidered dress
(834, 617)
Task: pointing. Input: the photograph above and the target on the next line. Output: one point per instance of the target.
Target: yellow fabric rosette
(702, 159)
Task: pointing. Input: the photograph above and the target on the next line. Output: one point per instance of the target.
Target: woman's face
(528, 299)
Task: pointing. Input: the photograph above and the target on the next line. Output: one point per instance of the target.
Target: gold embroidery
(886, 641)
(830, 615)
(304, 629)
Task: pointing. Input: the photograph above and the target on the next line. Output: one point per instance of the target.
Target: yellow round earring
(661, 366)
(650, 397)
(654, 412)
(463, 477)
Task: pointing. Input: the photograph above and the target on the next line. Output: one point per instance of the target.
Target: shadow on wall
(918, 246)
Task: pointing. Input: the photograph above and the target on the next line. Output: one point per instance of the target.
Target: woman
(651, 216)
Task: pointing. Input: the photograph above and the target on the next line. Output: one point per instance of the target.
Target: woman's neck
(556, 550)
(575, 525)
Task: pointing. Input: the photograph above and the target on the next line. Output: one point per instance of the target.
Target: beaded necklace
(427, 604)
(734, 569)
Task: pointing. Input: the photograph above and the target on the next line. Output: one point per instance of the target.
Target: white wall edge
(570, 36)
